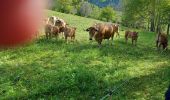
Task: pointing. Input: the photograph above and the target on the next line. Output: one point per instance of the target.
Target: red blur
(19, 21)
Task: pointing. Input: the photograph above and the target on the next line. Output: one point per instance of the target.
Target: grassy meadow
(52, 69)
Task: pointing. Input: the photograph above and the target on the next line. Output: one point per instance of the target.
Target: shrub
(107, 14)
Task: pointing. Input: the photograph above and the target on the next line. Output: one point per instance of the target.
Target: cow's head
(52, 20)
(58, 23)
(92, 31)
(135, 33)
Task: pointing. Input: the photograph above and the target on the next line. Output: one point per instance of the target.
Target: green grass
(52, 69)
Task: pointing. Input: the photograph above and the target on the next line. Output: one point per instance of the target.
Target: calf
(55, 31)
(47, 30)
(69, 32)
(101, 31)
(162, 40)
(51, 31)
(132, 35)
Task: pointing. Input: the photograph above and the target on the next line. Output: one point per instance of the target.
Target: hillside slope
(55, 70)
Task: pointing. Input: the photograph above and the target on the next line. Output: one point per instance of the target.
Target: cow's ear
(88, 29)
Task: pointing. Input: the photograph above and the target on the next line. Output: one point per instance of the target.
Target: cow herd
(55, 26)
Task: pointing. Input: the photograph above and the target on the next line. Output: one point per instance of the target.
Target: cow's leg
(164, 47)
(157, 42)
(159, 46)
(112, 42)
(73, 38)
(118, 35)
(57, 35)
(46, 34)
(66, 39)
(135, 42)
(126, 40)
(62, 35)
(99, 43)
(132, 41)
(50, 35)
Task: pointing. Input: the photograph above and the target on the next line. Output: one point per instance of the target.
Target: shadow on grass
(151, 87)
(121, 49)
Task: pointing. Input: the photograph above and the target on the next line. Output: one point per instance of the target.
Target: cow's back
(105, 30)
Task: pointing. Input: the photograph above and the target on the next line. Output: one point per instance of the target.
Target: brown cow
(47, 30)
(132, 35)
(69, 32)
(162, 40)
(116, 29)
(55, 31)
(61, 24)
(51, 30)
(101, 31)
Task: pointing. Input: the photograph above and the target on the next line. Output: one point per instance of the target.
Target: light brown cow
(101, 31)
(162, 40)
(132, 35)
(47, 29)
(69, 32)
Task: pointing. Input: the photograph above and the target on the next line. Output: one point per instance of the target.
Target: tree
(85, 9)
(146, 12)
(107, 13)
(96, 11)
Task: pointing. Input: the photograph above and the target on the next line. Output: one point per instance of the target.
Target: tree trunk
(168, 29)
(148, 25)
(152, 28)
(158, 27)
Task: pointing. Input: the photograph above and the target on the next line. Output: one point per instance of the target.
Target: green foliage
(107, 13)
(52, 69)
(146, 13)
(102, 0)
(85, 9)
(96, 11)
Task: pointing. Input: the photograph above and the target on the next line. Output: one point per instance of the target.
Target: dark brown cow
(69, 32)
(101, 31)
(61, 24)
(162, 40)
(132, 35)
(55, 31)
